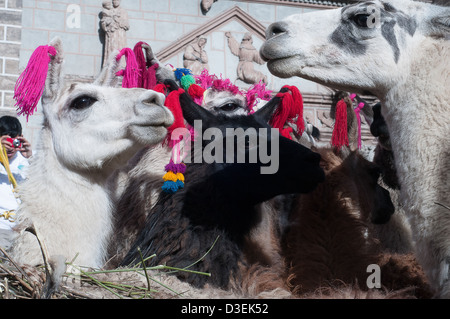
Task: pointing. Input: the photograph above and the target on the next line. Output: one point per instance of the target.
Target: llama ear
(192, 111)
(107, 76)
(54, 81)
(269, 108)
(149, 55)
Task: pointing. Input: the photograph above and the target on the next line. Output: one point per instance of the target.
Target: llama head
(96, 125)
(365, 47)
(247, 153)
(225, 102)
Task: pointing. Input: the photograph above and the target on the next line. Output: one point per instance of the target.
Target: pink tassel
(131, 72)
(258, 90)
(141, 62)
(149, 77)
(31, 82)
(205, 80)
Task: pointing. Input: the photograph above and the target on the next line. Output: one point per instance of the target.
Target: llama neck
(55, 197)
(416, 113)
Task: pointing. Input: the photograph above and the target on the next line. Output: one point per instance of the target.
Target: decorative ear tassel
(196, 92)
(172, 102)
(291, 108)
(180, 72)
(150, 77)
(256, 91)
(358, 117)
(161, 88)
(146, 74)
(339, 137)
(31, 82)
(174, 178)
(205, 80)
(141, 62)
(185, 77)
(131, 72)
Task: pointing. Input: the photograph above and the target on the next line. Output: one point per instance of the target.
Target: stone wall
(27, 24)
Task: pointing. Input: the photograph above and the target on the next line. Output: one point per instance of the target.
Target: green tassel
(186, 81)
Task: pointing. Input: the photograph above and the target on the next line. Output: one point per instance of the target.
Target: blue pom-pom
(170, 187)
(180, 72)
(180, 184)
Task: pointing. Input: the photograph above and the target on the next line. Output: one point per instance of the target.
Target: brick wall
(10, 40)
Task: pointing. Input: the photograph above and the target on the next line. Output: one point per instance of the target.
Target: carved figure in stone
(205, 5)
(325, 119)
(114, 21)
(248, 55)
(195, 57)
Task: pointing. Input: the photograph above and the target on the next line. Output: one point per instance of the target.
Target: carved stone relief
(195, 57)
(247, 55)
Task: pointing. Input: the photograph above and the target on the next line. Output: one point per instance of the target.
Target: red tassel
(173, 104)
(131, 72)
(31, 82)
(340, 134)
(290, 110)
(161, 88)
(196, 92)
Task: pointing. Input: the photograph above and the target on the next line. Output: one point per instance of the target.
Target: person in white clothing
(18, 151)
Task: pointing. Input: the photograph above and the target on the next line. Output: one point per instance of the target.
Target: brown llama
(329, 243)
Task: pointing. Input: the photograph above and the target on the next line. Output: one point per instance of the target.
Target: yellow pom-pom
(170, 176)
(180, 177)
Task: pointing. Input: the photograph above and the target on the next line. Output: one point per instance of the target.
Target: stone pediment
(234, 14)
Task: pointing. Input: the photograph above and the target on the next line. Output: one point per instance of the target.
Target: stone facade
(167, 25)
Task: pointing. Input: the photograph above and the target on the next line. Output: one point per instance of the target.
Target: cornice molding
(320, 4)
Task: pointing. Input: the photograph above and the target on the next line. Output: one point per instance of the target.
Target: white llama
(89, 131)
(399, 51)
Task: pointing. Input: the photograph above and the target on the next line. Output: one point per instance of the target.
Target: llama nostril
(275, 29)
(150, 100)
(153, 98)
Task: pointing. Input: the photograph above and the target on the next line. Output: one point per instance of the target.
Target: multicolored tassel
(174, 178)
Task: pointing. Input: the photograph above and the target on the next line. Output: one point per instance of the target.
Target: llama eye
(229, 107)
(361, 20)
(82, 102)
